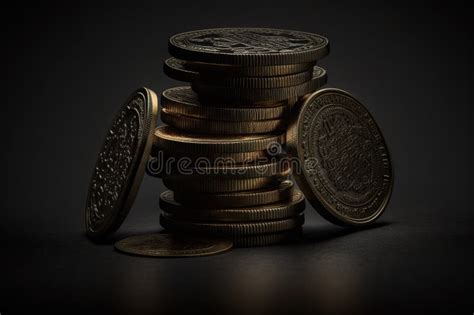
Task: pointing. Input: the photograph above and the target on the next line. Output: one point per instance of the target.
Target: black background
(70, 66)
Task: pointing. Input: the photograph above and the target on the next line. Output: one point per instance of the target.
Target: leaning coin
(231, 229)
(206, 126)
(249, 46)
(121, 164)
(212, 93)
(274, 211)
(345, 170)
(167, 245)
(238, 199)
(183, 100)
(172, 140)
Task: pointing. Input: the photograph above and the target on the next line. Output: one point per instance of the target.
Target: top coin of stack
(242, 82)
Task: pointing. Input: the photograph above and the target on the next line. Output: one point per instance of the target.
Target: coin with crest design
(121, 164)
(345, 169)
(249, 46)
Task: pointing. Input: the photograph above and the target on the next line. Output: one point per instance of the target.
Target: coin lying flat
(257, 197)
(223, 185)
(121, 164)
(176, 69)
(231, 229)
(206, 126)
(171, 140)
(167, 245)
(345, 170)
(161, 157)
(209, 93)
(209, 69)
(249, 46)
(204, 170)
(266, 239)
(184, 101)
(275, 211)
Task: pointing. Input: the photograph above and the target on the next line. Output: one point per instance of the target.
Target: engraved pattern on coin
(346, 158)
(167, 245)
(114, 162)
(248, 41)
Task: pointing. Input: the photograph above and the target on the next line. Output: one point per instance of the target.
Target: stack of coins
(221, 154)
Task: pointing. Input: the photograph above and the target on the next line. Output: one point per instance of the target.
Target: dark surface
(69, 68)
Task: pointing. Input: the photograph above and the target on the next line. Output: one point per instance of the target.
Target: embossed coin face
(167, 245)
(121, 164)
(345, 166)
(249, 46)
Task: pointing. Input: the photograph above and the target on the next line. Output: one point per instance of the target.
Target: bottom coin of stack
(252, 218)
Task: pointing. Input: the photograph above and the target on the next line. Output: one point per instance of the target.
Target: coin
(221, 185)
(231, 229)
(176, 69)
(206, 126)
(176, 245)
(163, 159)
(275, 211)
(172, 140)
(237, 199)
(209, 69)
(266, 239)
(184, 101)
(121, 164)
(211, 93)
(345, 170)
(204, 170)
(249, 46)
(257, 82)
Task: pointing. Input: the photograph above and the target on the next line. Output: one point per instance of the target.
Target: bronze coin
(167, 245)
(249, 46)
(345, 170)
(121, 164)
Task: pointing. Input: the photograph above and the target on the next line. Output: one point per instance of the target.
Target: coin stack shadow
(222, 151)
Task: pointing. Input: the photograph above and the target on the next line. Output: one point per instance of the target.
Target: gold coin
(197, 125)
(220, 185)
(237, 199)
(176, 245)
(184, 101)
(172, 140)
(274, 211)
(231, 229)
